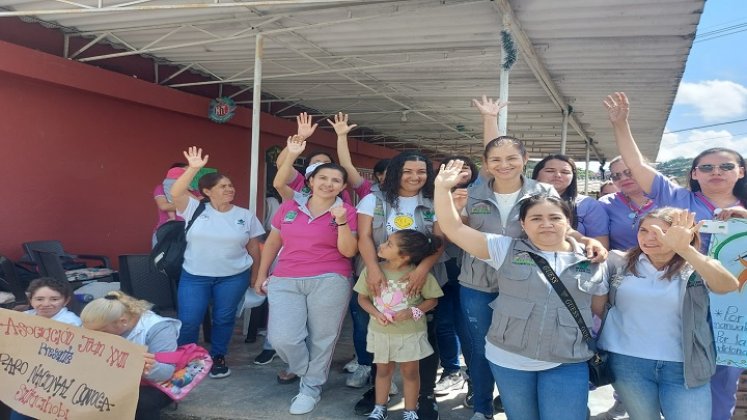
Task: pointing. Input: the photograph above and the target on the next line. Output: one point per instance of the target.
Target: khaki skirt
(398, 347)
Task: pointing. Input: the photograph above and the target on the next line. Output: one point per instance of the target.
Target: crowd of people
(437, 264)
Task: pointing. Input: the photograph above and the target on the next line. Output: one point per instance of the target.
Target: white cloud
(714, 100)
(674, 145)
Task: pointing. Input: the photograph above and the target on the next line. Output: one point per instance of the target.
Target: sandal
(285, 377)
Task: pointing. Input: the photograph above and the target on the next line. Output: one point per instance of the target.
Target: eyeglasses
(616, 176)
(708, 168)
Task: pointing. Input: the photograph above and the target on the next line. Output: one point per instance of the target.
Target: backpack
(171, 242)
(191, 364)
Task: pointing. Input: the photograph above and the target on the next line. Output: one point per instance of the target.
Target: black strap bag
(600, 373)
(171, 242)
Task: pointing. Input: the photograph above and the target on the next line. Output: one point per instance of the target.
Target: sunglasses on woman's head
(708, 168)
(616, 176)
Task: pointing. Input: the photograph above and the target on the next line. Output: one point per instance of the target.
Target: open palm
(194, 157)
(450, 174)
(617, 107)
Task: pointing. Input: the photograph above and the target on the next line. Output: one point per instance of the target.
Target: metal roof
(406, 70)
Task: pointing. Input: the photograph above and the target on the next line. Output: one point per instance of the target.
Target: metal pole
(254, 162)
(503, 92)
(586, 175)
(564, 132)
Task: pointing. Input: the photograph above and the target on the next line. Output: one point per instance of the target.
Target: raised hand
(617, 107)
(194, 157)
(680, 232)
(305, 128)
(340, 214)
(732, 212)
(296, 145)
(341, 124)
(450, 175)
(489, 107)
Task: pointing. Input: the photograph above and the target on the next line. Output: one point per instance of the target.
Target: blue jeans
(194, 295)
(649, 387)
(360, 329)
(560, 393)
(724, 385)
(478, 316)
(451, 327)
(15, 415)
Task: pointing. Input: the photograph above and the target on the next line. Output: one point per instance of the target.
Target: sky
(713, 89)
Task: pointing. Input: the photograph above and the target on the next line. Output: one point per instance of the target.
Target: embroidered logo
(290, 216)
(241, 222)
(522, 258)
(480, 209)
(694, 281)
(428, 215)
(583, 267)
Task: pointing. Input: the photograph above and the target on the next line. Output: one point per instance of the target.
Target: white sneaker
(360, 377)
(302, 404)
(351, 366)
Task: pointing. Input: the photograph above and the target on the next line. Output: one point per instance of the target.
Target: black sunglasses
(708, 168)
(616, 176)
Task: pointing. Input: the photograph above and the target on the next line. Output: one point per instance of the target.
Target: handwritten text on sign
(50, 370)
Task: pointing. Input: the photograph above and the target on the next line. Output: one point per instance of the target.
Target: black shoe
(469, 398)
(265, 357)
(250, 339)
(427, 407)
(366, 404)
(219, 369)
(498, 405)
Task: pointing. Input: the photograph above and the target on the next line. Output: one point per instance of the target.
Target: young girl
(48, 298)
(399, 333)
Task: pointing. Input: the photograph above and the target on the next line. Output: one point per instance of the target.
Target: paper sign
(51, 370)
(729, 311)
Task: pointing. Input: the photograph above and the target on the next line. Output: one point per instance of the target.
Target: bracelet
(416, 313)
(341, 224)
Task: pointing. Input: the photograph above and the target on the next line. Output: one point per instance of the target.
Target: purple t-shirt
(623, 229)
(592, 219)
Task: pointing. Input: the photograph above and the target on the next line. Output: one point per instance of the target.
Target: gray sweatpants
(306, 315)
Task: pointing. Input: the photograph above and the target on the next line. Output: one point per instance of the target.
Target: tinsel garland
(509, 48)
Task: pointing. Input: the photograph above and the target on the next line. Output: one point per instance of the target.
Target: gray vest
(424, 219)
(698, 347)
(483, 215)
(529, 318)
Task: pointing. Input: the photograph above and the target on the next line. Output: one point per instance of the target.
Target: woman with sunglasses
(718, 190)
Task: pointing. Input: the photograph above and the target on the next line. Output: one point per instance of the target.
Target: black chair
(50, 265)
(56, 248)
(140, 279)
(9, 281)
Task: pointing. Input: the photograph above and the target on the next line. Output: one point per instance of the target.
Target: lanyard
(713, 209)
(635, 211)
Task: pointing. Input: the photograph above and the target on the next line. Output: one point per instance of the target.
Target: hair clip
(110, 297)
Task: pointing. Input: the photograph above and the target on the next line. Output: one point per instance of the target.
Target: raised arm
(678, 237)
(449, 221)
(489, 110)
(295, 146)
(342, 129)
(304, 130)
(618, 109)
(179, 191)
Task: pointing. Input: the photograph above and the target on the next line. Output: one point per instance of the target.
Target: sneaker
(360, 377)
(351, 366)
(480, 416)
(616, 412)
(449, 382)
(378, 413)
(302, 404)
(410, 415)
(219, 369)
(469, 398)
(265, 357)
(498, 405)
(427, 408)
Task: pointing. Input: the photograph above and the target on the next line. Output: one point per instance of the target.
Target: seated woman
(664, 366)
(534, 346)
(122, 315)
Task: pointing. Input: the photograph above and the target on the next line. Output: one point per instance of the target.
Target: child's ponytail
(417, 245)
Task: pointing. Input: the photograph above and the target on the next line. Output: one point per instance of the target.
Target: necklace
(636, 211)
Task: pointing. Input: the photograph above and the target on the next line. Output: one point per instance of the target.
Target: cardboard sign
(51, 370)
(729, 311)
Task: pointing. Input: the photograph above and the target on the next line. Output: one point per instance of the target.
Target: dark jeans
(429, 366)
(150, 402)
(478, 316)
(360, 329)
(451, 326)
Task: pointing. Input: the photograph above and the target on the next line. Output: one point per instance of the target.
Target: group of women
(503, 309)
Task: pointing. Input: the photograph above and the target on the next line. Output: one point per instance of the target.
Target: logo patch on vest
(694, 281)
(428, 215)
(522, 258)
(481, 208)
(290, 216)
(583, 267)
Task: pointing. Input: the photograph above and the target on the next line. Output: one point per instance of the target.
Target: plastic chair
(50, 265)
(11, 283)
(56, 248)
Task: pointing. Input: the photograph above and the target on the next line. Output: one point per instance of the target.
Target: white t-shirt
(216, 242)
(64, 316)
(498, 248)
(401, 218)
(505, 203)
(646, 321)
